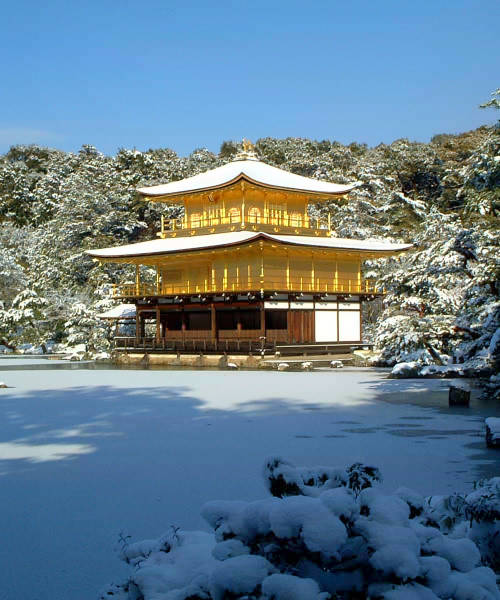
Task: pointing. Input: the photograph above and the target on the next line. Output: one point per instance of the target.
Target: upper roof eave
(153, 196)
(255, 172)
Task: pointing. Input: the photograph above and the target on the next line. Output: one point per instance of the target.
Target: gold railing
(277, 219)
(225, 285)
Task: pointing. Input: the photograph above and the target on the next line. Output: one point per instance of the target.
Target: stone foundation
(214, 361)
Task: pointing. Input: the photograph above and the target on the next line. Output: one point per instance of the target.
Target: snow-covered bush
(325, 534)
(476, 515)
(25, 321)
(85, 327)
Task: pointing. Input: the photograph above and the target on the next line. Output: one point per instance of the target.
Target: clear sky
(189, 74)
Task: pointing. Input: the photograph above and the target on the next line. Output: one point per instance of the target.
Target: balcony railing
(294, 284)
(196, 341)
(274, 218)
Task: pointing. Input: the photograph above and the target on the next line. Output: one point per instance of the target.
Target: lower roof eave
(173, 246)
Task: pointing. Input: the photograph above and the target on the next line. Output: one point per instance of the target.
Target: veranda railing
(227, 285)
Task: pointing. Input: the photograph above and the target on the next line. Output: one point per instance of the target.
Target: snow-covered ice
(89, 455)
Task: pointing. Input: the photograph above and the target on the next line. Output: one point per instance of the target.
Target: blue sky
(192, 74)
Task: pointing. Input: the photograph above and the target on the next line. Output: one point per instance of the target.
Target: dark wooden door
(301, 326)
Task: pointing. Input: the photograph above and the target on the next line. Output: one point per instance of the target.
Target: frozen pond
(88, 453)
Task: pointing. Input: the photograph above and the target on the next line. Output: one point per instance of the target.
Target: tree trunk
(473, 334)
(433, 352)
(5, 343)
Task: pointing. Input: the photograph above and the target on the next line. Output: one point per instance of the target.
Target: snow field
(106, 452)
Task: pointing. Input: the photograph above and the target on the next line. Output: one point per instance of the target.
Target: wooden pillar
(137, 324)
(262, 319)
(361, 319)
(140, 325)
(183, 319)
(287, 269)
(238, 321)
(313, 276)
(213, 322)
(137, 280)
(158, 324)
(242, 202)
(261, 268)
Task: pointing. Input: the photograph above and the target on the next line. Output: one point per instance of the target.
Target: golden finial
(247, 145)
(247, 152)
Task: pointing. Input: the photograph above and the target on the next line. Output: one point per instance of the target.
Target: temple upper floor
(246, 195)
(245, 206)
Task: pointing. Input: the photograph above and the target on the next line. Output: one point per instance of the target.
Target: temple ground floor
(243, 324)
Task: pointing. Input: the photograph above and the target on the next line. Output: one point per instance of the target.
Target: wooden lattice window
(254, 215)
(296, 219)
(195, 220)
(276, 213)
(213, 215)
(234, 215)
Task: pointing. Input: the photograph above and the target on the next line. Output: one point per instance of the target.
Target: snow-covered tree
(25, 321)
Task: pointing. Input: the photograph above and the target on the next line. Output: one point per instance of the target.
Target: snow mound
(238, 576)
(336, 364)
(441, 371)
(405, 369)
(288, 587)
(493, 423)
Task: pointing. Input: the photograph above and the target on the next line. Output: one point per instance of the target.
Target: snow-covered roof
(219, 240)
(122, 311)
(254, 171)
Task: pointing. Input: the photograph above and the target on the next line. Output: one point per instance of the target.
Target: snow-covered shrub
(284, 479)
(25, 321)
(329, 539)
(84, 327)
(476, 515)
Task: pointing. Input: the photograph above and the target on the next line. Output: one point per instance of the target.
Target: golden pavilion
(246, 266)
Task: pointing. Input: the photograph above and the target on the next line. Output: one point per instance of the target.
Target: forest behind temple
(442, 304)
